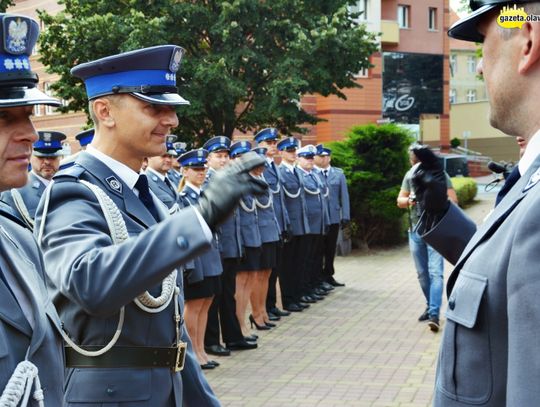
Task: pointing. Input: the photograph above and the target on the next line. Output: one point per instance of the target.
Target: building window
(471, 95)
(432, 17)
(453, 96)
(471, 64)
(364, 73)
(453, 64)
(361, 6)
(38, 110)
(48, 91)
(403, 16)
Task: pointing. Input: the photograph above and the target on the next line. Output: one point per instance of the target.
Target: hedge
(465, 188)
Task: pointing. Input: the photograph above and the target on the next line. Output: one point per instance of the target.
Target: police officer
(315, 206)
(204, 282)
(338, 211)
(84, 138)
(31, 345)
(295, 202)
(45, 162)
(157, 173)
(114, 254)
(268, 138)
(175, 174)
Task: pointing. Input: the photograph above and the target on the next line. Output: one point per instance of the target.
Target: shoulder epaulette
(69, 174)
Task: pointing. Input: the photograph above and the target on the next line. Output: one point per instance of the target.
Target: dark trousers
(224, 305)
(272, 282)
(289, 277)
(313, 263)
(330, 242)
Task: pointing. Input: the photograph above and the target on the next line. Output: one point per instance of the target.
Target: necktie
(325, 172)
(145, 197)
(169, 184)
(508, 184)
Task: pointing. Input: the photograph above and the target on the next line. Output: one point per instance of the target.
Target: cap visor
(466, 29)
(162, 98)
(12, 97)
(40, 154)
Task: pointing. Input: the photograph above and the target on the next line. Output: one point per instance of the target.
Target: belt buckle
(181, 348)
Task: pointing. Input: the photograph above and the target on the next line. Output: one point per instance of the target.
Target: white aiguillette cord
(119, 233)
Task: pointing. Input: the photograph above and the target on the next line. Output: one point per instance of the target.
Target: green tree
(247, 62)
(4, 4)
(374, 160)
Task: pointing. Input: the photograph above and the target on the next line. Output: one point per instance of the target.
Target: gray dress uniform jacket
(249, 229)
(314, 189)
(490, 349)
(31, 194)
(207, 264)
(295, 200)
(338, 197)
(165, 194)
(266, 219)
(91, 279)
(272, 177)
(175, 177)
(39, 341)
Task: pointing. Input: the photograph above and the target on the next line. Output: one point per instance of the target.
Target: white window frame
(453, 64)
(404, 16)
(363, 73)
(361, 6)
(432, 19)
(49, 110)
(453, 96)
(471, 64)
(471, 95)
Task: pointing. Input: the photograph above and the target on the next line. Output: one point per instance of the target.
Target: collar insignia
(114, 183)
(535, 178)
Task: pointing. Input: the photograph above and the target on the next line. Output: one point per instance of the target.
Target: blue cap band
(103, 84)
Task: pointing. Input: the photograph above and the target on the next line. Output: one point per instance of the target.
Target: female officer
(202, 283)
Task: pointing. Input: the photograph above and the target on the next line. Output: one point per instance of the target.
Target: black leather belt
(128, 356)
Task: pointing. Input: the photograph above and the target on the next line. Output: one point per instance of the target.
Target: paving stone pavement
(361, 346)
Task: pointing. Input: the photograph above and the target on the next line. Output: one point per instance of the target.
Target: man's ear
(530, 47)
(102, 112)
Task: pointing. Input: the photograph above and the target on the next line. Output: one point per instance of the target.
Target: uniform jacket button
(182, 242)
(110, 391)
(452, 304)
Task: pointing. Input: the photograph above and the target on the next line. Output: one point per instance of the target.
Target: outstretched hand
(227, 187)
(429, 181)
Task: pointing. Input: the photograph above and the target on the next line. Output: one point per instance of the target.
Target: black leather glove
(227, 186)
(429, 182)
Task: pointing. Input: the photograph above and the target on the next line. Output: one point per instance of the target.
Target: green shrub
(374, 160)
(465, 188)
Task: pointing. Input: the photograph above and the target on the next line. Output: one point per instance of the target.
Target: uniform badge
(114, 183)
(193, 195)
(535, 178)
(47, 137)
(154, 178)
(35, 185)
(176, 58)
(17, 34)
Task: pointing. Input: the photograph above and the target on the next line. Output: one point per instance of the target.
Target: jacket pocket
(108, 385)
(465, 368)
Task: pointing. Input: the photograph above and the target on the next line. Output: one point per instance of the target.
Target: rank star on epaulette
(114, 183)
(535, 178)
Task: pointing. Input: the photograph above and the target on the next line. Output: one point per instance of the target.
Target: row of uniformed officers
(290, 233)
(92, 308)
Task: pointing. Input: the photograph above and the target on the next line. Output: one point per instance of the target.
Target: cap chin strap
(119, 234)
(145, 89)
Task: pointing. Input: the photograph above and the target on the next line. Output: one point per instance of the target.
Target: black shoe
(257, 326)
(279, 312)
(293, 307)
(316, 297)
(213, 362)
(208, 366)
(424, 316)
(319, 292)
(273, 317)
(307, 299)
(217, 350)
(242, 345)
(434, 324)
(270, 325)
(251, 338)
(332, 281)
(326, 286)
(303, 305)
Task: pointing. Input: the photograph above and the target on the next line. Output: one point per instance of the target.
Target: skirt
(208, 287)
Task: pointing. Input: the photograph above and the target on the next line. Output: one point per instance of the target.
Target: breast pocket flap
(466, 297)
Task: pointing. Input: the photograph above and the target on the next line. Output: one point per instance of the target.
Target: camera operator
(429, 263)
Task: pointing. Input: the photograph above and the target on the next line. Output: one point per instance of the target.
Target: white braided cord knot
(18, 389)
(290, 194)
